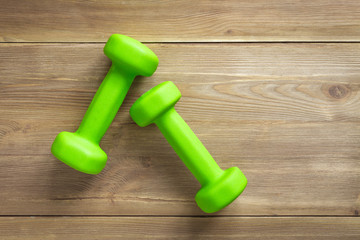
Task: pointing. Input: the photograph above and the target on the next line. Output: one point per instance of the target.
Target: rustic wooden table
(270, 86)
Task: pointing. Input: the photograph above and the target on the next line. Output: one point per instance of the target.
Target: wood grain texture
(180, 21)
(105, 228)
(286, 114)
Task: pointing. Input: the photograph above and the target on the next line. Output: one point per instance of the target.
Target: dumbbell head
(79, 153)
(222, 191)
(154, 103)
(131, 55)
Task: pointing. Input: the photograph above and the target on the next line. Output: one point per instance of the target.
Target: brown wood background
(270, 86)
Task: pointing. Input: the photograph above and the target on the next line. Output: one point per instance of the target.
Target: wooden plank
(286, 114)
(180, 21)
(78, 228)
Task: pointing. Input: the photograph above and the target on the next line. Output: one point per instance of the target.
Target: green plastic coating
(219, 188)
(81, 149)
(188, 146)
(111, 92)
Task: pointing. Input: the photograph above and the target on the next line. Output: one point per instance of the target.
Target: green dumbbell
(81, 149)
(219, 187)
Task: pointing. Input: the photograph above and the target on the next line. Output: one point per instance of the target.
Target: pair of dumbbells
(81, 149)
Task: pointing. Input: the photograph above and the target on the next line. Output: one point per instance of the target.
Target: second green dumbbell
(219, 187)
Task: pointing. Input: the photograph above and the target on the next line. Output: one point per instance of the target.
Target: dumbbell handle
(189, 148)
(105, 104)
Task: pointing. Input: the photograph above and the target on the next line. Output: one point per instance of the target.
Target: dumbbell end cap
(154, 103)
(131, 55)
(79, 153)
(217, 195)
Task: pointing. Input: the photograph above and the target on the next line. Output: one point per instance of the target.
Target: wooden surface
(78, 228)
(180, 20)
(281, 102)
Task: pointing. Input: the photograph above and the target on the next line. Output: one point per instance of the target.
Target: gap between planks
(181, 216)
(196, 42)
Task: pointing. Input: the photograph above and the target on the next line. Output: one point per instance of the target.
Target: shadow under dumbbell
(200, 225)
(141, 165)
(146, 160)
(68, 183)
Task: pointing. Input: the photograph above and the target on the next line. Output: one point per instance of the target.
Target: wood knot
(338, 91)
(145, 162)
(229, 32)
